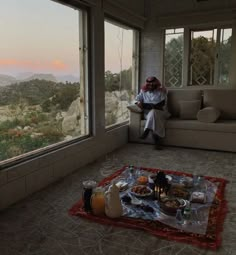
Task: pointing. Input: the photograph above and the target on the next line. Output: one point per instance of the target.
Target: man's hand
(139, 104)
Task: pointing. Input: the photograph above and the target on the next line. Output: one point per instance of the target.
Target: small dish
(142, 180)
(187, 181)
(135, 201)
(198, 197)
(169, 178)
(122, 185)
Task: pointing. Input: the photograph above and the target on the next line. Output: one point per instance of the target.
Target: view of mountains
(10, 79)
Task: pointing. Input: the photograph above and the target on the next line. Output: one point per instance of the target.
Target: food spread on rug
(170, 204)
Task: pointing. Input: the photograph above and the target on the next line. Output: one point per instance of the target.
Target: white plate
(169, 178)
(141, 195)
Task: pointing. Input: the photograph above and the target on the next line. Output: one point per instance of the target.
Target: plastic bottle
(179, 217)
(131, 169)
(187, 213)
(130, 177)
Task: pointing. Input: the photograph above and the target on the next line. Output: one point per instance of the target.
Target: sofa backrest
(177, 95)
(222, 99)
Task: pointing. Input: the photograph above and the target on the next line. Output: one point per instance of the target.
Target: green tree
(173, 62)
(118, 81)
(65, 96)
(111, 81)
(202, 61)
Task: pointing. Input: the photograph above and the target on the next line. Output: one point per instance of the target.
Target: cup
(151, 183)
(88, 187)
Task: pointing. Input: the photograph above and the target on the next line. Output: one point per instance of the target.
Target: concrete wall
(23, 179)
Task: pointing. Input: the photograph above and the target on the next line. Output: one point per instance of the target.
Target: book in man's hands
(158, 106)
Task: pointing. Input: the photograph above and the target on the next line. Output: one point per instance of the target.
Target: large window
(207, 52)
(173, 60)
(43, 77)
(202, 57)
(121, 66)
(224, 55)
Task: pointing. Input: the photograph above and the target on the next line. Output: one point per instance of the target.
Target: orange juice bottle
(98, 201)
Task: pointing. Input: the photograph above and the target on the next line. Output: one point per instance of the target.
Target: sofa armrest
(134, 126)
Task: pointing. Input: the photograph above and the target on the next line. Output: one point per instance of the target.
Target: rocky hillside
(35, 92)
(6, 80)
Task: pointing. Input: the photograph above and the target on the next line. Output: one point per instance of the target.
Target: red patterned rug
(210, 240)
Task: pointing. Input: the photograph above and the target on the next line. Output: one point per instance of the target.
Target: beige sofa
(219, 135)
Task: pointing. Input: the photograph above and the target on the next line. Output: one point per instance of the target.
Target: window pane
(170, 31)
(119, 61)
(202, 57)
(179, 30)
(224, 56)
(173, 60)
(40, 77)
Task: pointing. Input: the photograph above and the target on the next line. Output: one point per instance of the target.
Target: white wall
(23, 179)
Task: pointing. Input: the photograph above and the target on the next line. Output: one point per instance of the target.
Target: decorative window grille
(173, 57)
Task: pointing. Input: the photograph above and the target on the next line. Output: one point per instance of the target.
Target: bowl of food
(171, 205)
(141, 191)
(142, 180)
(179, 192)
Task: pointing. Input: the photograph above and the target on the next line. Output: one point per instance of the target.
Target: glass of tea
(88, 187)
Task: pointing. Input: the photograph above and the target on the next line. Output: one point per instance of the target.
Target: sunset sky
(41, 36)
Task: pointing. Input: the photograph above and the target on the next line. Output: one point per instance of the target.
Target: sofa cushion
(176, 95)
(208, 114)
(222, 99)
(189, 109)
(225, 126)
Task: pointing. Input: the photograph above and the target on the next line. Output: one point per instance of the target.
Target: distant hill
(28, 76)
(67, 78)
(23, 75)
(33, 91)
(7, 80)
(41, 76)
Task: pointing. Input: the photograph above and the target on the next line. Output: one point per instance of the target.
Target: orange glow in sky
(54, 65)
(42, 36)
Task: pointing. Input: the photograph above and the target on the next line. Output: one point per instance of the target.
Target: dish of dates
(141, 191)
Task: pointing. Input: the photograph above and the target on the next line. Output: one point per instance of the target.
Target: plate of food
(141, 191)
(171, 205)
(179, 192)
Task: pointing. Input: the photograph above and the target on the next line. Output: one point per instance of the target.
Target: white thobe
(155, 119)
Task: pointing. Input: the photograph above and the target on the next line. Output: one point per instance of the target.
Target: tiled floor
(40, 225)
